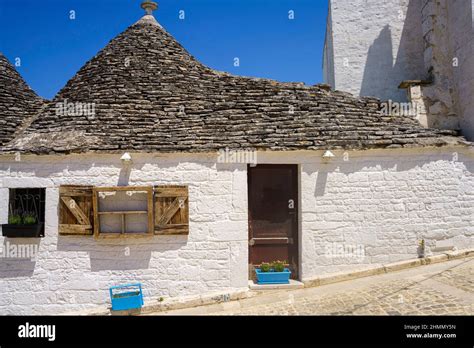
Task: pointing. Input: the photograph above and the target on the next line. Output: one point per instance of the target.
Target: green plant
(14, 219)
(279, 266)
(265, 267)
(126, 294)
(29, 219)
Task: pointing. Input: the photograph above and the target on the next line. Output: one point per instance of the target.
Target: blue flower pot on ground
(272, 278)
(126, 297)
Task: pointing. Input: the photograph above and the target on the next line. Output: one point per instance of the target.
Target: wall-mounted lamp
(328, 155)
(126, 158)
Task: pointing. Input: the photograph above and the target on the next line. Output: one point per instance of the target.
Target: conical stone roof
(145, 93)
(18, 103)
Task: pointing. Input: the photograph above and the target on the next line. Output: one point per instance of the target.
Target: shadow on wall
(18, 257)
(403, 164)
(378, 67)
(124, 176)
(75, 163)
(116, 254)
(383, 72)
(461, 24)
(321, 182)
(121, 255)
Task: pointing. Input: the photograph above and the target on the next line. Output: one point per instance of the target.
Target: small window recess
(26, 213)
(123, 211)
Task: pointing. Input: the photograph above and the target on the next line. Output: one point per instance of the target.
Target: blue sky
(52, 47)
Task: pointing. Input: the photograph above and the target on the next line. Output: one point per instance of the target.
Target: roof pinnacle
(149, 6)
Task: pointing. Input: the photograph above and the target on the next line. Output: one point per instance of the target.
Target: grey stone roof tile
(18, 103)
(150, 95)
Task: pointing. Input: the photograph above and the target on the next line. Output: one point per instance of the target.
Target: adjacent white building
(137, 188)
(373, 47)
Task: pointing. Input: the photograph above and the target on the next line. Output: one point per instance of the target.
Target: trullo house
(150, 167)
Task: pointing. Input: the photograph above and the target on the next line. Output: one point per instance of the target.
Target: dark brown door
(273, 215)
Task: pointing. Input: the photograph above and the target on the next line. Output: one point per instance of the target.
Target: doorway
(273, 215)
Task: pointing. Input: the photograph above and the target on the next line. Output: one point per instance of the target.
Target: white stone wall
(461, 19)
(377, 44)
(385, 201)
(439, 97)
(371, 46)
(74, 273)
(328, 54)
(449, 51)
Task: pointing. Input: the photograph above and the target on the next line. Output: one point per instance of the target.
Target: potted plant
(23, 226)
(273, 273)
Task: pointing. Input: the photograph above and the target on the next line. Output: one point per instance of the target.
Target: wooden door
(273, 215)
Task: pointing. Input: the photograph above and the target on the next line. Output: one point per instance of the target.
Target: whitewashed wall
(384, 201)
(373, 45)
(376, 45)
(328, 54)
(461, 22)
(74, 273)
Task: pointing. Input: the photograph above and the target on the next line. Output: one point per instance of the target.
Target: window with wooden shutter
(75, 210)
(171, 210)
(117, 204)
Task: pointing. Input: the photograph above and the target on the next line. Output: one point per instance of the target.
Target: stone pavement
(441, 289)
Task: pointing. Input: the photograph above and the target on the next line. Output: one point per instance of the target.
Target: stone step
(294, 284)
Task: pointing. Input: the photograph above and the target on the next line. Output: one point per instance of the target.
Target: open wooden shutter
(171, 210)
(75, 210)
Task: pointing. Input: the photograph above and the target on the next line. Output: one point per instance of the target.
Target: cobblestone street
(440, 289)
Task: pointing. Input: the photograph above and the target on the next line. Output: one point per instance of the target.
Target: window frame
(36, 230)
(122, 234)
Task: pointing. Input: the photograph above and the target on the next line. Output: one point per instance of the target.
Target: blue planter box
(273, 277)
(126, 297)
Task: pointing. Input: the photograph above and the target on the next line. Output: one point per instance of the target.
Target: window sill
(112, 235)
(23, 231)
